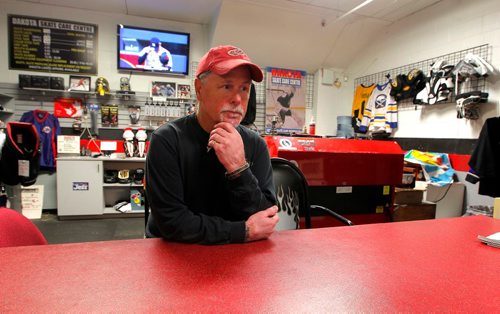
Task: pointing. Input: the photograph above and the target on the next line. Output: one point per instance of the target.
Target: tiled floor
(88, 230)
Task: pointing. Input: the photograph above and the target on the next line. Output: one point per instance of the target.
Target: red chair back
(17, 230)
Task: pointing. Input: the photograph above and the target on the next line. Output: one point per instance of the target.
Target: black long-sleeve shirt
(190, 197)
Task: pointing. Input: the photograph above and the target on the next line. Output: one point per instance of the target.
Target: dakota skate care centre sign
(49, 45)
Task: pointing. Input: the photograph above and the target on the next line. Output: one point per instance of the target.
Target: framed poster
(49, 45)
(163, 89)
(183, 91)
(79, 83)
(285, 100)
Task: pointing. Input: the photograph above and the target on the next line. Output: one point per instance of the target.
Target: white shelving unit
(81, 190)
(7, 110)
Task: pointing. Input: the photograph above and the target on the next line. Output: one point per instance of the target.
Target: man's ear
(197, 87)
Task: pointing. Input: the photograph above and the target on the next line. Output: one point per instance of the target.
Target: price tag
(387, 190)
(23, 167)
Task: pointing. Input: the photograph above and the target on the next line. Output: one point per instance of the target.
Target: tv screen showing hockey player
(152, 50)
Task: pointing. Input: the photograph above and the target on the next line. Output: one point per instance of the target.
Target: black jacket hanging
(20, 155)
(485, 159)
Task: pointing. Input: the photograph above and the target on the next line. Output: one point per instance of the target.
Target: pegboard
(425, 65)
(23, 100)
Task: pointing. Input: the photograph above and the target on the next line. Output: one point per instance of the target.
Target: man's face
(224, 98)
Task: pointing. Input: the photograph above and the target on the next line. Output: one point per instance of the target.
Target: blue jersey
(47, 126)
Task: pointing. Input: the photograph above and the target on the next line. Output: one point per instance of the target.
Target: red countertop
(418, 266)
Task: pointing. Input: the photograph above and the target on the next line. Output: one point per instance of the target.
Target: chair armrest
(334, 214)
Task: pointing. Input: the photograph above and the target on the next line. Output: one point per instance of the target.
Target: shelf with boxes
(409, 204)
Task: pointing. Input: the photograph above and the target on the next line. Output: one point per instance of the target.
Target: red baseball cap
(222, 59)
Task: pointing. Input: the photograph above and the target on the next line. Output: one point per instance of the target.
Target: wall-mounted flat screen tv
(152, 50)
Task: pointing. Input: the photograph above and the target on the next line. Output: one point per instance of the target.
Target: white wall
(449, 26)
(107, 24)
(331, 101)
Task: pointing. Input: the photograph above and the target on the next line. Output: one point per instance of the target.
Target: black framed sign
(41, 44)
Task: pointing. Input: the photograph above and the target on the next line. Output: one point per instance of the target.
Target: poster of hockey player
(285, 100)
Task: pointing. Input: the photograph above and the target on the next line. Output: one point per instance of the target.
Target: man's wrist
(247, 233)
(236, 173)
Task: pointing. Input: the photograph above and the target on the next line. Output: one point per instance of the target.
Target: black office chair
(293, 197)
(146, 209)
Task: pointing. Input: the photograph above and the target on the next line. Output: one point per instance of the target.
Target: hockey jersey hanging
(361, 96)
(439, 84)
(381, 112)
(47, 126)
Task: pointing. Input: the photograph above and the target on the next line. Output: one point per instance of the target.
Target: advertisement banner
(285, 100)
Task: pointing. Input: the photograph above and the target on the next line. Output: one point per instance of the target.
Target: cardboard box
(136, 200)
(449, 199)
(29, 199)
(408, 196)
(406, 212)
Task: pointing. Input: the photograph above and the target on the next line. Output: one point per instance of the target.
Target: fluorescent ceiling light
(354, 9)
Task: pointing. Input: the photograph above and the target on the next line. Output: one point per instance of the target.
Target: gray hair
(204, 75)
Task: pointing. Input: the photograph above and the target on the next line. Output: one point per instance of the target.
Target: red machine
(356, 178)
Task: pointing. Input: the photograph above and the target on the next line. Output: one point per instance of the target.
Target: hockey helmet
(110, 176)
(138, 175)
(124, 176)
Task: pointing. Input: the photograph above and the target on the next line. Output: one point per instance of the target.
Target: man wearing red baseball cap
(222, 59)
(209, 180)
